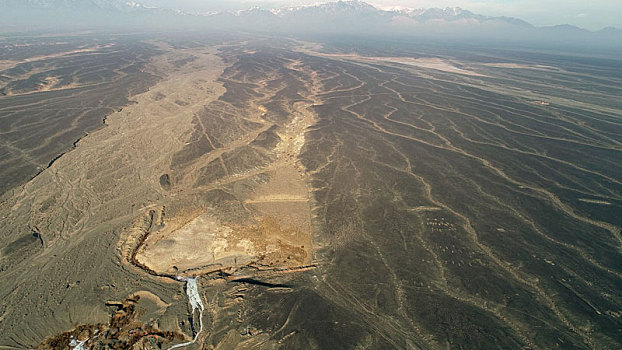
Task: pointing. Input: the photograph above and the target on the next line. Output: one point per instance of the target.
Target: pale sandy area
(519, 66)
(422, 62)
(7, 64)
(202, 242)
(280, 235)
(428, 62)
(594, 201)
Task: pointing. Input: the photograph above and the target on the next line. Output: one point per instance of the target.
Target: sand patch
(275, 231)
(429, 63)
(204, 245)
(200, 243)
(422, 62)
(594, 201)
(520, 66)
(424, 208)
(197, 242)
(8, 64)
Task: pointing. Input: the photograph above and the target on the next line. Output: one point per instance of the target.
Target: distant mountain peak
(343, 17)
(342, 5)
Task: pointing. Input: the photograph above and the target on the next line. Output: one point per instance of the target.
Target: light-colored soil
(200, 243)
(422, 62)
(81, 203)
(427, 62)
(7, 64)
(520, 66)
(120, 164)
(594, 201)
(107, 194)
(280, 206)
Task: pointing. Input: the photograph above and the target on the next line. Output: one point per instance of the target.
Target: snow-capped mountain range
(359, 8)
(337, 17)
(332, 9)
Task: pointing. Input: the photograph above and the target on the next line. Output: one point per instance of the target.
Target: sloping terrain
(80, 204)
(54, 92)
(330, 198)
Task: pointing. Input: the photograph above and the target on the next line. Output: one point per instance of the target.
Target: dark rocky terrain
(333, 195)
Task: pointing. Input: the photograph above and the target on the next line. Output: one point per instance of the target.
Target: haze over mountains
(341, 17)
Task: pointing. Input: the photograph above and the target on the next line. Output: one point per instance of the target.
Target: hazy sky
(591, 14)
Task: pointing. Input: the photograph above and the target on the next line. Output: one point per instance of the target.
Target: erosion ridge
(71, 206)
(176, 115)
(277, 232)
(181, 240)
